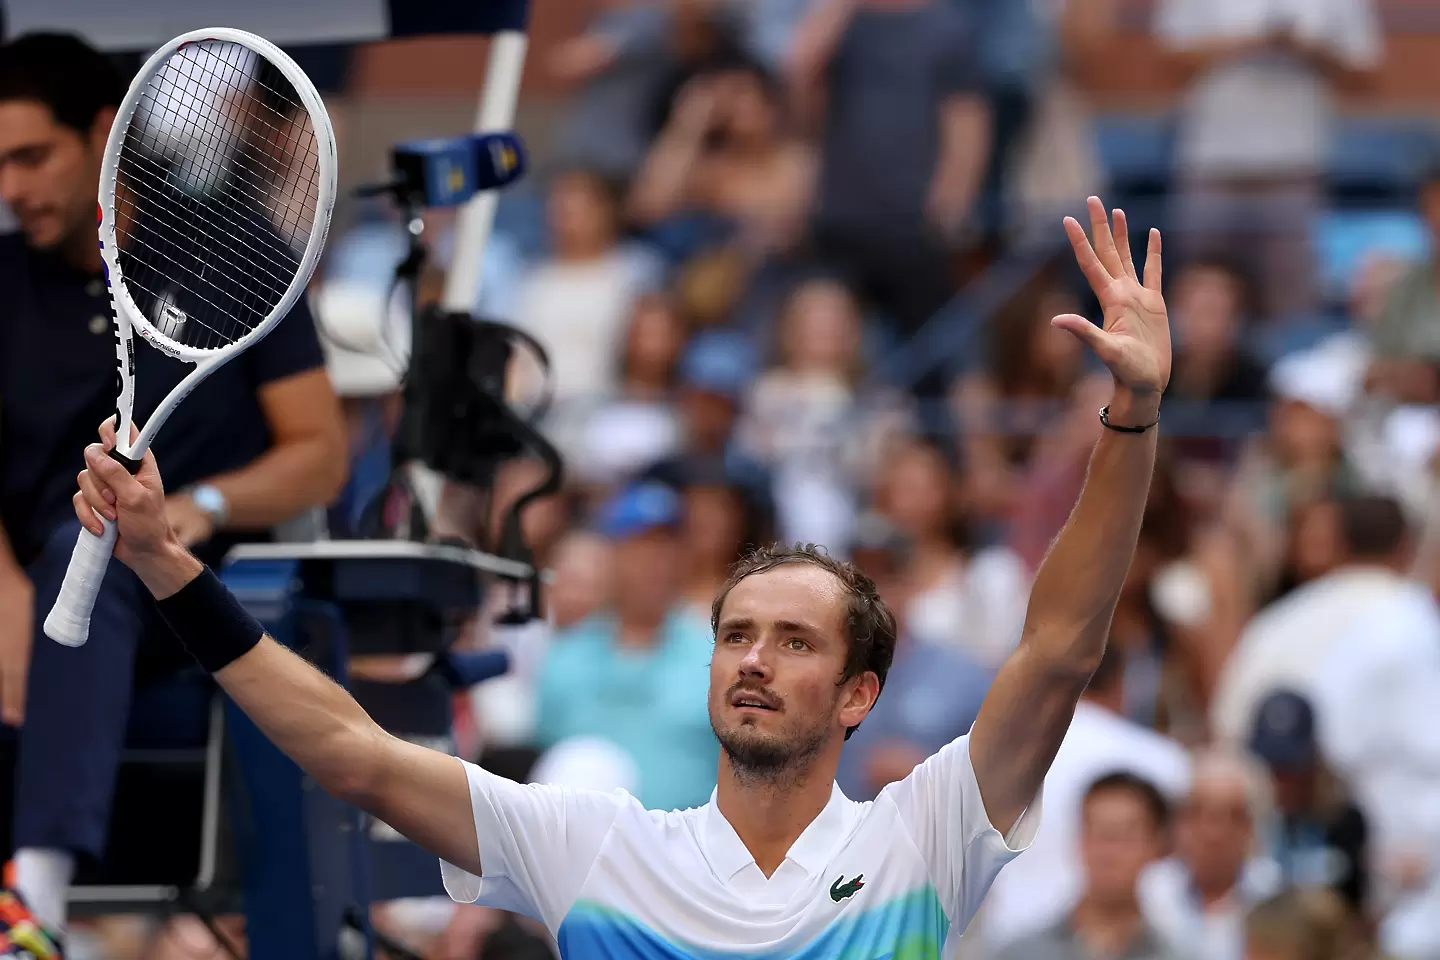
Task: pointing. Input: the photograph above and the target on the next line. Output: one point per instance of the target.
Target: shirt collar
(811, 851)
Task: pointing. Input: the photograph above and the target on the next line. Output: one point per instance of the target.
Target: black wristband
(1105, 419)
(210, 622)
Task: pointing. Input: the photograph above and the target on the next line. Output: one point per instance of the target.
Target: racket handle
(69, 619)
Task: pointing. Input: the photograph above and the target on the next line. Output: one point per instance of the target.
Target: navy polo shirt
(57, 382)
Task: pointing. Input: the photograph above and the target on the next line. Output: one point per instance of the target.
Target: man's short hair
(869, 622)
(1374, 527)
(1138, 787)
(63, 72)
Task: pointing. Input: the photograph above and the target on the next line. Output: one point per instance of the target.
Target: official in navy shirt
(259, 442)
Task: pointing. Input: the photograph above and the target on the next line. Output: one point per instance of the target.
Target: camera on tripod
(456, 419)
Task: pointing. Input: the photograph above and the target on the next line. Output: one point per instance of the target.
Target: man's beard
(760, 757)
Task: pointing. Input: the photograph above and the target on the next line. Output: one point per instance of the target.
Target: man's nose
(756, 661)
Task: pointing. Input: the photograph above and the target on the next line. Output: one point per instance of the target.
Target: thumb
(1090, 334)
(110, 473)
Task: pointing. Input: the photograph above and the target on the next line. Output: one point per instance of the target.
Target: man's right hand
(145, 543)
(17, 611)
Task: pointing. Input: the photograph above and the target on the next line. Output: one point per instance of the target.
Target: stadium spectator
(727, 158)
(1302, 924)
(258, 443)
(577, 302)
(1124, 827)
(1044, 882)
(1199, 898)
(1287, 643)
(950, 592)
(724, 517)
(1407, 346)
(1212, 302)
(638, 424)
(894, 88)
(1255, 126)
(634, 672)
(1320, 838)
(1005, 407)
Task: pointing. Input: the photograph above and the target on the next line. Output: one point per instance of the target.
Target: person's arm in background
(1349, 55)
(960, 168)
(1182, 27)
(808, 63)
(668, 181)
(1086, 31)
(309, 453)
(17, 613)
(1029, 707)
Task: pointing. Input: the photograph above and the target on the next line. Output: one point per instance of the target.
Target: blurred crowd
(746, 209)
(746, 218)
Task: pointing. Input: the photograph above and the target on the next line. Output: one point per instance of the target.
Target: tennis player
(779, 863)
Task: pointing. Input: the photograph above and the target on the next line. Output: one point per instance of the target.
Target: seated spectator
(577, 302)
(1304, 924)
(1287, 643)
(939, 693)
(1035, 891)
(1210, 302)
(639, 423)
(636, 673)
(1124, 827)
(1407, 338)
(1302, 457)
(950, 593)
(1320, 837)
(1199, 899)
(801, 417)
(1027, 381)
(259, 443)
(725, 515)
(726, 154)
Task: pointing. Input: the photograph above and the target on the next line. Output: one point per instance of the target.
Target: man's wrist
(166, 571)
(1130, 409)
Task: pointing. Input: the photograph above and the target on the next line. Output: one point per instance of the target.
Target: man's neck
(769, 816)
(82, 251)
(1107, 927)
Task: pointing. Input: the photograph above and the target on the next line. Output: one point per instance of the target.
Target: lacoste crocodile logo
(840, 890)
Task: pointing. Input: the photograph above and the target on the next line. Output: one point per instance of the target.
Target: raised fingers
(1152, 261)
(1090, 264)
(1122, 244)
(1104, 242)
(86, 514)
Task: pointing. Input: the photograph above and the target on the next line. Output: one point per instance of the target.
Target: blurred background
(793, 262)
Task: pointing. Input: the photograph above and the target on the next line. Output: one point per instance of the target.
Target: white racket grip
(69, 620)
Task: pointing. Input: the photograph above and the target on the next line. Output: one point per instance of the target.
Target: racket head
(216, 191)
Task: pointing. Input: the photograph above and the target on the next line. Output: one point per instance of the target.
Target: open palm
(1135, 339)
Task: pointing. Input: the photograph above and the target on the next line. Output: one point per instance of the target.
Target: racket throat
(129, 463)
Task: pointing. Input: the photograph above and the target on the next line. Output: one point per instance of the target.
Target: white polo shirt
(899, 876)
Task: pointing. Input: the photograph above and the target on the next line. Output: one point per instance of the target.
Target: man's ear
(100, 128)
(864, 690)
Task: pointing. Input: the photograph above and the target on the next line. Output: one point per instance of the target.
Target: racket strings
(217, 185)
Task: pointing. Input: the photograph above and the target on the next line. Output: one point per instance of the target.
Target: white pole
(496, 114)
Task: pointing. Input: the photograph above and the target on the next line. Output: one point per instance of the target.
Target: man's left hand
(1135, 339)
(191, 524)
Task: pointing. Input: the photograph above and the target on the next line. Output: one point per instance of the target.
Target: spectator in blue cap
(1319, 839)
(637, 673)
(715, 371)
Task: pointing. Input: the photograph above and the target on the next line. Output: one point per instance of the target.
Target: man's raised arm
(422, 793)
(1031, 703)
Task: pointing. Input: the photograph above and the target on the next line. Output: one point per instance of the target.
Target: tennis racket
(215, 197)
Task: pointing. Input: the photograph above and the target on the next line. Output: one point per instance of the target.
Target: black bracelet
(210, 622)
(1105, 419)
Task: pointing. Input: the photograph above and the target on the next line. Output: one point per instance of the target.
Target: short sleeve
(537, 845)
(941, 808)
(292, 347)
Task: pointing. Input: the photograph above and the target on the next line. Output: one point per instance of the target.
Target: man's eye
(735, 638)
(795, 643)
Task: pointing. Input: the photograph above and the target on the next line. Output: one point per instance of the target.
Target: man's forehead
(790, 591)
